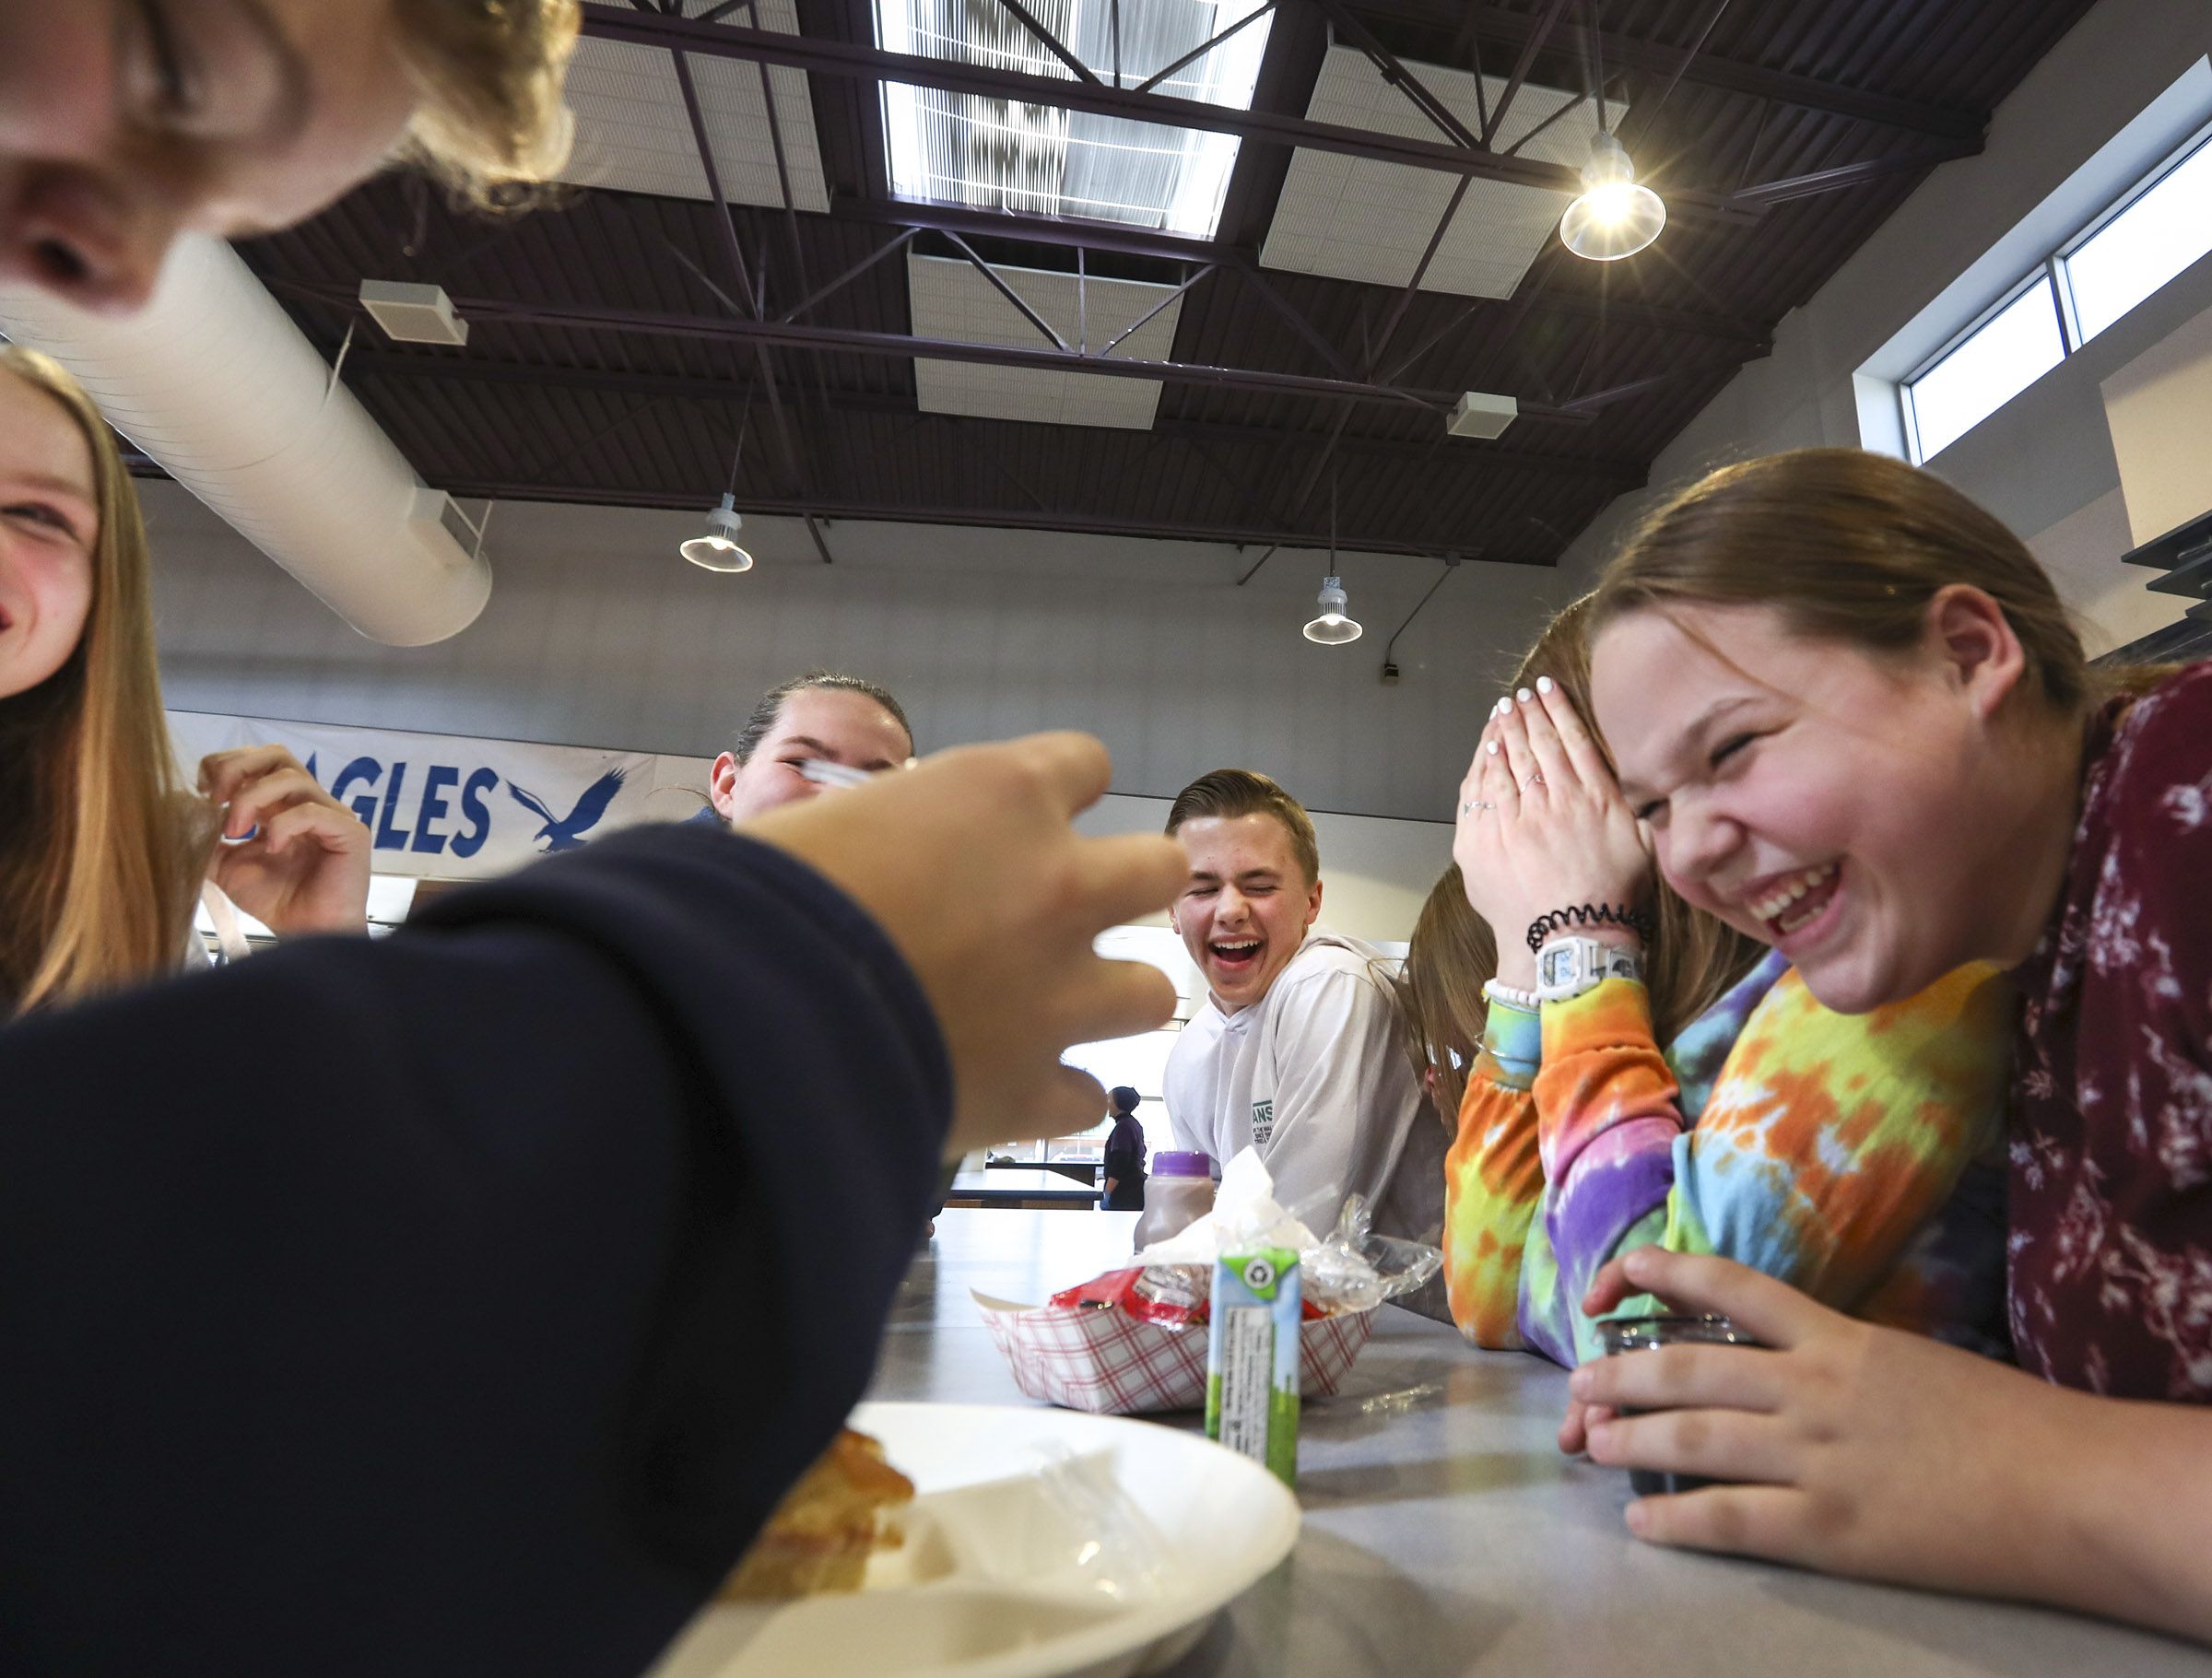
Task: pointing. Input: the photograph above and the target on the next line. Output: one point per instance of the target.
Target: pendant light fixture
(1335, 627)
(1613, 218)
(718, 549)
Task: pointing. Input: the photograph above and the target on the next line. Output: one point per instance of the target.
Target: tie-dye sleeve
(1858, 1156)
(1607, 1114)
(1493, 1182)
(1825, 1152)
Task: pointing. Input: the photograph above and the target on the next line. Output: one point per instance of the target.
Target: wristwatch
(1568, 966)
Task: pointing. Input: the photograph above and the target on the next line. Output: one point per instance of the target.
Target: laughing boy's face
(1246, 905)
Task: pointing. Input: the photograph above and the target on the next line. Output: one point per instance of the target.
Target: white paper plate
(1041, 1544)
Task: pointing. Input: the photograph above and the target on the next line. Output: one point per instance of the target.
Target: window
(2145, 242)
(1139, 1062)
(2134, 247)
(1994, 363)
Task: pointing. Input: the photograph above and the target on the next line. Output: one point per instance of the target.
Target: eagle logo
(566, 833)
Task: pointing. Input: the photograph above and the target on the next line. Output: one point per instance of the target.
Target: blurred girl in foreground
(1852, 712)
(102, 852)
(124, 123)
(1854, 1157)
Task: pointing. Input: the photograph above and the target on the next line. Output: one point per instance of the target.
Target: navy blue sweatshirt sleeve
(460, 1302)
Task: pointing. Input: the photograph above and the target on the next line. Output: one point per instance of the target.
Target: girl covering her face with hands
(1854, 1158)
(1877, 745)
(101, 850)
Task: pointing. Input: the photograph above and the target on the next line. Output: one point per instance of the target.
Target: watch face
(1556, 965)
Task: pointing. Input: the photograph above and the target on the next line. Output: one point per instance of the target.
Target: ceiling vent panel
(950, 299)
(410, 313)
(1355, 218)
(634, 135)
(1480, 413)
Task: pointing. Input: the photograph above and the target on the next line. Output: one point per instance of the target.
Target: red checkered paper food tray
(1107, 1361)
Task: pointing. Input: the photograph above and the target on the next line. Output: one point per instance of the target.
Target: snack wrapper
(1353, 1270)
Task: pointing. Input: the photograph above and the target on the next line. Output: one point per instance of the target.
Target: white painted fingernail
(1499, 709)
(1493, 748)
(1523, 695)
(1543, 683)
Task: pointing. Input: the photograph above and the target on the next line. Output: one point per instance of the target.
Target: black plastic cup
(1648, 1334)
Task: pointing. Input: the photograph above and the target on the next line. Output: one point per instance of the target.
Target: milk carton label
(1251, 1357)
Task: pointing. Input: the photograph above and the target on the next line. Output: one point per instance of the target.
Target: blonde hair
(489, 119)
(1694, 957)
(1438, 991)
(101, 846)
(1234, 793)
(1851, 546)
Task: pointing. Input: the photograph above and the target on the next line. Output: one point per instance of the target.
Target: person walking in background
(1123, 1175)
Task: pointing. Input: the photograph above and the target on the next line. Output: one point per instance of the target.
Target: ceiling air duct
(212, 381)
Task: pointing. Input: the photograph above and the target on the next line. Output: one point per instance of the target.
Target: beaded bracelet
(1638, 920)
(1526, 1001)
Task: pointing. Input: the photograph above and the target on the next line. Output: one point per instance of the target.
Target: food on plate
(823, 1533)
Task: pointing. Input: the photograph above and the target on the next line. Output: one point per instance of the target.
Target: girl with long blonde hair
(1651, 1075)
(102, 848)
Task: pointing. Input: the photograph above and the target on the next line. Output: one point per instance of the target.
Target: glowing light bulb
(1334, 626)
(1613, 218)
(718, 549)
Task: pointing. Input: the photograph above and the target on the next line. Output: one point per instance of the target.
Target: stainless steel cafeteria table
(1445, 1536)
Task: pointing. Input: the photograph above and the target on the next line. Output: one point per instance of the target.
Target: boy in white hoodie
(1295, 1052)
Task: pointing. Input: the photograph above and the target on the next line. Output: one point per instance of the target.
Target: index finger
(1075, 768)
(1774, 1313)
(1131, 874)
(222, 773)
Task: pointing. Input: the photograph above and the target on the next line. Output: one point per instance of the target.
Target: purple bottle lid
(1169, 1163)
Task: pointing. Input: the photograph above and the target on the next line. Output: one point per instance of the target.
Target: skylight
(1046, 160)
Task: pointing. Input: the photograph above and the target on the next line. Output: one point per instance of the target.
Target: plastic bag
(1352, 1270)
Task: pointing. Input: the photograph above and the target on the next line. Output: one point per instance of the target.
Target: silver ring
(1475, 803)
(1533, 781)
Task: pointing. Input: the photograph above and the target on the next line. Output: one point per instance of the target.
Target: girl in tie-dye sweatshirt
(1857, 1157)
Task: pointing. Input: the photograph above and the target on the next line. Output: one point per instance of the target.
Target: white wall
(598, 634)
(2044, 462)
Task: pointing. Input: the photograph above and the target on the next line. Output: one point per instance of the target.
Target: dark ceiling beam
(1123, 240)
(835, 340)
(1539, 31)
(1388, 66)
(1049, 42)
(1660, 58)
(442, 367)
(994, 517)
(1854, 174)
(822, 56)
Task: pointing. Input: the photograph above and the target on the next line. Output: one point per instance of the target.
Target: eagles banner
(443, 806)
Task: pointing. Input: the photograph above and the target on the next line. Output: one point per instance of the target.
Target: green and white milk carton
(1251, 1357)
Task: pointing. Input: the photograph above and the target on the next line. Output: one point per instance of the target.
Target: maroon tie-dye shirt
(2111, 1253)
